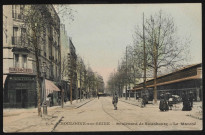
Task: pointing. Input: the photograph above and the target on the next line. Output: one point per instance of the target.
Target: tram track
(104, 102)
(114, 117)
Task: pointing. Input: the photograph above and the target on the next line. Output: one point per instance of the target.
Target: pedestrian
(114, 101)
(191, 97)
(59, 101)
(163, 105)
(65, 100)
(144, 100)
(186, 102)
(98, 96)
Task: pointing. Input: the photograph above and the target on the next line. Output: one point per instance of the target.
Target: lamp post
(44, 68)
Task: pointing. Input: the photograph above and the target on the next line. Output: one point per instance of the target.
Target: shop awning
(4, 79)
(50, 87)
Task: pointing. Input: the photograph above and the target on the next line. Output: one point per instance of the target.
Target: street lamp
(44, 69)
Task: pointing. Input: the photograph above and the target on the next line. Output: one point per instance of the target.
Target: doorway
(22, 97)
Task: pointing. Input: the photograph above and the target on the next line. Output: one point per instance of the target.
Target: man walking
(114, 101)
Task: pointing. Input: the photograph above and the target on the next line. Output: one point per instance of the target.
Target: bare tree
(35, 19)
(164, 47)
(65, 12)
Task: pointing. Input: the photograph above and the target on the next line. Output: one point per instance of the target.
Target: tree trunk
(37, 74)
(155, 86)
(71, 90)
(144, 49)
(62, 97)
(38, 82)
(155, 72)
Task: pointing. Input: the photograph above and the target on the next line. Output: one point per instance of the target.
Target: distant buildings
(68, 65)
(64, 61)
(19, 63)
(72, 69)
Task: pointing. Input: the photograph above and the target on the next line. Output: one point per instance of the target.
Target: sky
(100, 33)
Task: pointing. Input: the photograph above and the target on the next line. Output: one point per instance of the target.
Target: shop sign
(23, 85)
(20, 70)
(22, 78)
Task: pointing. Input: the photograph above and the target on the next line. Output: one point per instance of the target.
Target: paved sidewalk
(27, 120)
(196, 111)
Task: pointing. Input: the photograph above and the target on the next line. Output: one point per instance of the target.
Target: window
(16, 60)
(14, 38)
(23, 36)
(24, 61)
(15, 11)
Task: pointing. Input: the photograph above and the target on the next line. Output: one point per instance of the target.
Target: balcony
(18, 16)
(19, 41)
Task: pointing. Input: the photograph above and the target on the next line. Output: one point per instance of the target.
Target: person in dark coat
(114, 101)
(191, 97)
(163, 106)
(186, 102)
(144, 100)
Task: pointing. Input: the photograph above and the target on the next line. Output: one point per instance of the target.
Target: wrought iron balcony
(19, 42)
(18, 16)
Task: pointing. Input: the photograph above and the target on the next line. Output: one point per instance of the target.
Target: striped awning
(4, 79)
(50, 87)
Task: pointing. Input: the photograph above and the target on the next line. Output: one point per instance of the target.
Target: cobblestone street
(99, 115)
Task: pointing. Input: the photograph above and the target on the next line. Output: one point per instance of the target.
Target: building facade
(72, 70)
(64, 61)
(19, 63)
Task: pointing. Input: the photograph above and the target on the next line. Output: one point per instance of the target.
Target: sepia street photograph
(102, 67)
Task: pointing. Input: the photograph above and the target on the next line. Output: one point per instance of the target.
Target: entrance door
(24, 98)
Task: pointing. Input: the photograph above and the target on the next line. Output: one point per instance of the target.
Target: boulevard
(99, 115)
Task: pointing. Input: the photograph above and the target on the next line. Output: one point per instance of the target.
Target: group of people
(166, 102)
(115, 100)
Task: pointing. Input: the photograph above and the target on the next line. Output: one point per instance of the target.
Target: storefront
(20, 91)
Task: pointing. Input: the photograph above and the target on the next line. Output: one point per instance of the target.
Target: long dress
(186, 103)
(163, 106)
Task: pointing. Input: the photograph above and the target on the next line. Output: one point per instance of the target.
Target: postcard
(102, 67)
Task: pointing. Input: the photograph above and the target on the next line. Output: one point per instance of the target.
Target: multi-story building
(64, 61)
(72, 67)
(19, 62)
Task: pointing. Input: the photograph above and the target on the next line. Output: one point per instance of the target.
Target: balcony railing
(19, 42)
(18, 16)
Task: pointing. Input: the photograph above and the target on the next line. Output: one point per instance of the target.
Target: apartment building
(19, 62)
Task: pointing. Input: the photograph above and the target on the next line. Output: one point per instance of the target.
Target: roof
(174, 81)
(169, 82)
(186, 67)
